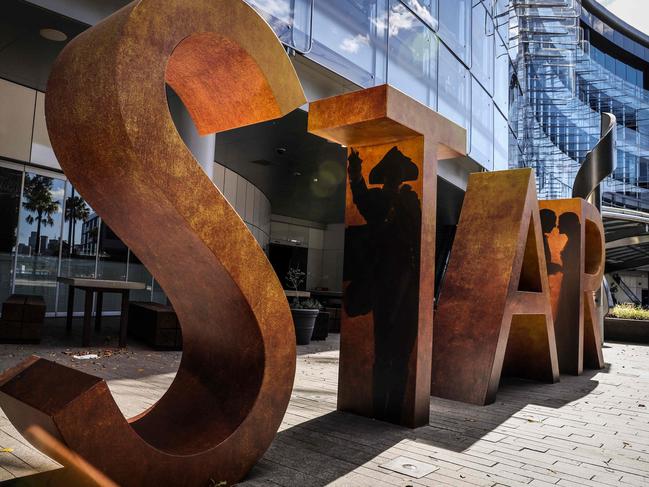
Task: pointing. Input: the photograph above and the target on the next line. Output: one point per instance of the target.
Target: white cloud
(401, 19)
(633, 12)
(423, 12)
(58, 195)
(353, 44)
(277, 8)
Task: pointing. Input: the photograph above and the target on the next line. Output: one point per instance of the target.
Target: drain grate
(408, 466)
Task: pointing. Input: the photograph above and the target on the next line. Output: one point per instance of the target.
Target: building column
(202, 147)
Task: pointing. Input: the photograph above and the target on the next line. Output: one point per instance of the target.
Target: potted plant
(627, 323)
(321, 328)
(304, 314)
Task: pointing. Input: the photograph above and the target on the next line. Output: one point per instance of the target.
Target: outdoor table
(99, 286)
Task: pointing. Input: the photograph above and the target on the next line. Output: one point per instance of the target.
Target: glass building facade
(574, 61)
(528, 80)
(451, 55)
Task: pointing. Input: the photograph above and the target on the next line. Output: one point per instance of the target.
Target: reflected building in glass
(574, 61)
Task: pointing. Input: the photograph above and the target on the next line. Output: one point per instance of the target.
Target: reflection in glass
(350, 38)
(77, 259)
(39, 239)
(290, 19)
(159, 295)
(426, 10)
(113, 255)
(111, 263)
(482, 47)
(454, 25)
(482, 141)
(10, 182)
(412, 55)
(49, 230)
(501, 76)
(76, 211)
(501, 141)
(454, 89)
(138, 273)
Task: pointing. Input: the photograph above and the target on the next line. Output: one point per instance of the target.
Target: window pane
(501, 76)
(10, 182)
(482, 47)
(453, 88)
(290, 19)
(113, 256)
(412, 55)
(501, 141)
(159, 295)
(481, 126)
(501, 10)
(454, 25)
(39, 238)
(426, 10)
(77, 259)
(350, 38)
(138, 273)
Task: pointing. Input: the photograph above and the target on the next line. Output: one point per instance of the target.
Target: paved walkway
(591, 430)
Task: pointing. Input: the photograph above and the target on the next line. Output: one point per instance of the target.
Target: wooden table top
(100, 283)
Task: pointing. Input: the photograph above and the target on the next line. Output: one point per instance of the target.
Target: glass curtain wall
(40, 221)
(48, 230)
(436, 51)
(412, 51)
(566, 86)
(10, 190)
(290, 19)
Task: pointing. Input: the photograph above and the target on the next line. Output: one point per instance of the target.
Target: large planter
(304, 320)
(321, 329)
(621, 330)
(334, 319)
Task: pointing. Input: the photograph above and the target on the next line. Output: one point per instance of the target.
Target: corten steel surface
(573, 236)
(494, 314)
(112, 132)
(75, 472)
(386, 329)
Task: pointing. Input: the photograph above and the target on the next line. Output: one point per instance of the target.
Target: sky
(633, 12)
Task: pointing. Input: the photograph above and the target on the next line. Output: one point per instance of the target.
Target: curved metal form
(599, 163)
(505, 328)
(573, 236)
(112, 132)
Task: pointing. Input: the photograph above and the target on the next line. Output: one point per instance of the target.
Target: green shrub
(628, 311)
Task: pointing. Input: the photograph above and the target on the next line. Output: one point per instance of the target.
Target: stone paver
(591, 430)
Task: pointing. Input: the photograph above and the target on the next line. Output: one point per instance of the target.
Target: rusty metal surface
(574, 249)
(76, 471)
(386, 329)
(112, 132)
(494, 315)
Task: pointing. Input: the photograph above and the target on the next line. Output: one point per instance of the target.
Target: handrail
(626, 289)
